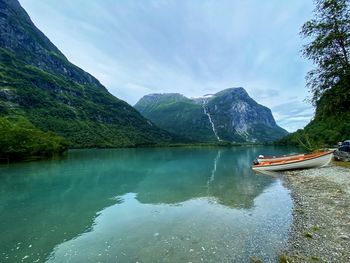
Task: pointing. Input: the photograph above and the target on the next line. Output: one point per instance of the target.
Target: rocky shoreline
(321, 226)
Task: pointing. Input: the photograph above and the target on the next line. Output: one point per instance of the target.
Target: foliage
(321, 132)
(329, 32)
(88, 116)
(266, 134)
(330, 81)
(39, 83)
(19, 139)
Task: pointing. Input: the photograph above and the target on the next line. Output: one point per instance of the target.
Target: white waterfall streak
(212, 176)
(210, 120)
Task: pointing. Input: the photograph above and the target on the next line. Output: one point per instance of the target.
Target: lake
(144, 205)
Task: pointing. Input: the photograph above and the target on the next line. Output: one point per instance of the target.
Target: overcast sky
(194, 47)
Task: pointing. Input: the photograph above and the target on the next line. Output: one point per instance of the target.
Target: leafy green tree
(329, 35)
(329, 48)
(19, 139)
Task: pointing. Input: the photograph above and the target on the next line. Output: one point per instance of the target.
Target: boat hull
(319, 161)
(279, 158)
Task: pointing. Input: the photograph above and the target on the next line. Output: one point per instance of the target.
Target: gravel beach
(321, 227)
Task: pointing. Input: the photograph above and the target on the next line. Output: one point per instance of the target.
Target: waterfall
(210, 120)
(212, 176)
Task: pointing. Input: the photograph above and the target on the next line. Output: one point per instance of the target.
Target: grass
(314, 258)
(255, 260)
(285, 259)
(315, 228)
(308, 235)
(342, 164)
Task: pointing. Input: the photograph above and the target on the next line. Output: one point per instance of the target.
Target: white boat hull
(279, 158)
(302, 164)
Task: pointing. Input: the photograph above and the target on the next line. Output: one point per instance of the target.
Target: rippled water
(143, 205)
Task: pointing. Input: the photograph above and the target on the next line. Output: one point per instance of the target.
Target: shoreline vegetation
(321, 216)
(21, 140)
(18, 148)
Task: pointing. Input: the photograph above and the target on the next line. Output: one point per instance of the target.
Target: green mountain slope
(234, 116)
(38, 82)
(177, 114)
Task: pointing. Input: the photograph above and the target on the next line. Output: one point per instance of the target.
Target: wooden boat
(262, 158)
(306, 161)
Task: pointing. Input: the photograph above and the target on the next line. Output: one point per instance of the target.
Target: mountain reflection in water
(129, 196)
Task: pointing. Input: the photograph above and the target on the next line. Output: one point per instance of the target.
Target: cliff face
(38, 82)
(229, 115)
(19, 34)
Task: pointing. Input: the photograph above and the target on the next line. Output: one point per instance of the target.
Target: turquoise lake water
(143, 205)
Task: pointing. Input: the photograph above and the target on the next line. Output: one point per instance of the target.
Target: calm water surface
(143, 205)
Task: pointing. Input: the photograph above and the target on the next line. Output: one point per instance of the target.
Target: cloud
(293, 115)
(191, 47)
(260, 93)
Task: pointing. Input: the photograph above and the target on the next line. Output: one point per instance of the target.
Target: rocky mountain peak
(230, 114)
(233, 90)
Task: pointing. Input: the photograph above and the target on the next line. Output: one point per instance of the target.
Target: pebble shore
(321, 226)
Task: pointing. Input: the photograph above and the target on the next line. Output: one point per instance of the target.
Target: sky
(192, 47)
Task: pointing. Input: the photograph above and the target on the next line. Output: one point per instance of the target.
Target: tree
(329, 32)
(19, 138)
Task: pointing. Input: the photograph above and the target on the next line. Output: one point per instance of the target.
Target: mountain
(229, 115)
(38, 82)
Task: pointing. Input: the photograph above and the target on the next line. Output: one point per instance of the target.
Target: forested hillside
(38, 83)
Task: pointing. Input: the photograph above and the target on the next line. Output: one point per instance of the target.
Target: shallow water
(143, 205)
